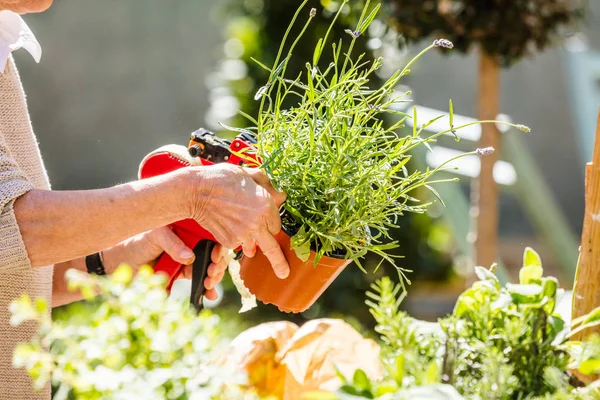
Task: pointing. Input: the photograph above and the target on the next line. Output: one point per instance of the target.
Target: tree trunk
(587, 283)
(484, 196)
(586, 288)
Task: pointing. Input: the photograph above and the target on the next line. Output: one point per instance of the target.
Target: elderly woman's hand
(239, 206)
(145, 248)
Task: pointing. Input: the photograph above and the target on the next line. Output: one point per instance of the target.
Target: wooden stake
(587, 284)
(484, 195)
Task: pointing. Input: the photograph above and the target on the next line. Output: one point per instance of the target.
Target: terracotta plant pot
(305, 283)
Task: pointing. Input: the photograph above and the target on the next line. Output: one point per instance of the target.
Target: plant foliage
(499, 343)
(138, 343)
(507, 30)
(341, 165)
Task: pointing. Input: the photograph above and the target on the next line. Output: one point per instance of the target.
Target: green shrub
(500, 343)
(135, 342)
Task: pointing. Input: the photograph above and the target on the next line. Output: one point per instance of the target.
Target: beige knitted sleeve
(13, 183)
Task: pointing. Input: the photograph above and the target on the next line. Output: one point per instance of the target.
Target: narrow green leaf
(365, 25)
(592, 318)
(436, 194)
(451, 114)
(248, 117)
(278, 70)
(318, 51)
(260, 64)
(414, 121)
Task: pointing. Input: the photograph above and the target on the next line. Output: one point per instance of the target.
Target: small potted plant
(323, 140)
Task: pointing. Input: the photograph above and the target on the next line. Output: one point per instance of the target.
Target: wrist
(111, 258)
(192, 183)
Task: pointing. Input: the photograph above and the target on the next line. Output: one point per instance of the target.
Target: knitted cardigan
(21, 170)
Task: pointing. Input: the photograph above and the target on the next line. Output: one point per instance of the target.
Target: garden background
(118, 79)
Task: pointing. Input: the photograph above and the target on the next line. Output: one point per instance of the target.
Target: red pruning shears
(204, 148)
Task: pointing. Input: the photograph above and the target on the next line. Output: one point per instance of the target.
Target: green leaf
(451, 117)
(556, 323)
(590, 319)
(415, 132)
(278, 70)
(318, 51)
(336, 215)
(525, 294)
(486, 275)
(530, 274)
(531, 258)
(260, 64)
(361, 380)
(550, 287)
(399, 370)
(433, 373)
(365, 25)
(465, 303)
(436, 194)
(301, 245)
(248, 117)
(590, 367)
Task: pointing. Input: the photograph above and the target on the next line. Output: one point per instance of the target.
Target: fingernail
(283, 273)
(186, 254)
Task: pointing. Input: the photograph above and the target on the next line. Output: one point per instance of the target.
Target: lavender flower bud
(354, 34)
(524, 128)
(377, 63)
(443, 43)
(313, 12)
(485, 151)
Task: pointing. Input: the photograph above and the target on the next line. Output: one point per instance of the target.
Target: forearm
(59, 226)
(60, 292)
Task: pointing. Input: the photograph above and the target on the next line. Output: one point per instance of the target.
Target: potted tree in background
(503, 32)
(342, 167)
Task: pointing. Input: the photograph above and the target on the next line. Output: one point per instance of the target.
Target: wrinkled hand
(239, 206)
(145, 248)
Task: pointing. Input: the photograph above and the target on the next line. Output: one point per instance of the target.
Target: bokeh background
(119, 78)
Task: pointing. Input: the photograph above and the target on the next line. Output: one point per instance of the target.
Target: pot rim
(338, 255)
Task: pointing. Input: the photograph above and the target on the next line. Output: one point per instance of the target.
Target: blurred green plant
(499, 343)
(132, 341)
(506, 30)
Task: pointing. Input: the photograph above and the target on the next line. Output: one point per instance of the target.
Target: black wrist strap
(94, 264)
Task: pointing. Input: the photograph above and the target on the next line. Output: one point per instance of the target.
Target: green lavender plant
(342, 166)
(136, 342)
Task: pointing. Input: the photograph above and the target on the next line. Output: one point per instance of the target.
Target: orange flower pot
(303, 286)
